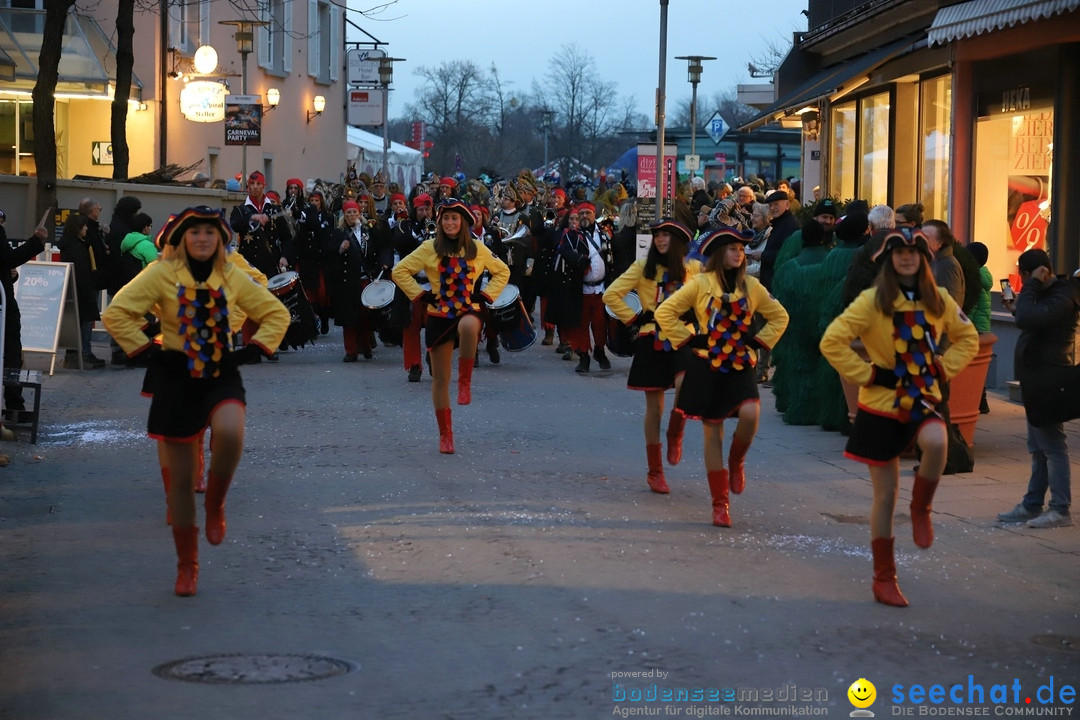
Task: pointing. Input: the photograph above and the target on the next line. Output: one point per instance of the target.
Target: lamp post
(245, 44)
(660, 112)
(545, 125)
(386, 76)
(694, 75)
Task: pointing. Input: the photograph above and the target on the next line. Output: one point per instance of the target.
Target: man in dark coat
(1046, 315)
(783, 224)
(10, 259)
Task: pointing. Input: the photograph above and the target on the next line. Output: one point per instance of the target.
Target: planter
(965, 390)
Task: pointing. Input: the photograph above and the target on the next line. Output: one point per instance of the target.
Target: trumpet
(549, 219)
(429, 229)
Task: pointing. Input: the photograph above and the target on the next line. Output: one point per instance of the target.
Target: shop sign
(203, 101)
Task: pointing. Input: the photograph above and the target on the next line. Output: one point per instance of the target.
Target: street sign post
(716, 127)
(692, 162)
(364, 66)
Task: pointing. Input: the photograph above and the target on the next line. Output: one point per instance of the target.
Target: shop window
(842, 152)
(1013, 157)
(874, 149)
(935, 135)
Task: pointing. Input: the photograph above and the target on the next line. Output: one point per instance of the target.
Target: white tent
(366, 151)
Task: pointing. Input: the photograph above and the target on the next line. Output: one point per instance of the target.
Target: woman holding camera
(453, 262)
(902, 321)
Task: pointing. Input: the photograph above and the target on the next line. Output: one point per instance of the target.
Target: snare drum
(508, 317)
(620, 337)
(378, 298)
(303, 325)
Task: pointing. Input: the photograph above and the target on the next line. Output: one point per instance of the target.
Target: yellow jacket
(863, 320)
(704, 289)
(424, 258)
(648, 291)
(157, 286)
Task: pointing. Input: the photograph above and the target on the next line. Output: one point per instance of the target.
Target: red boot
(216, 489)
(922, 493)
(200, 468)
(464, 380)
(886, 589)
(675, 425)
(165, 481)
(187, 560)
(735, 463)
(656, 480)
(718, 486)
(446, 431)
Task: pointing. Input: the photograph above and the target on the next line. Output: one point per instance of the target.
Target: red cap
(274, 196)
(448, 181)
(422, 199)
(350, 205)
(294, 181)
(257, 176)
(398, 196)
(586, 205)
(559, 191)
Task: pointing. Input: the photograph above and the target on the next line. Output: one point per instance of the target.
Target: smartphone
(1007, 291)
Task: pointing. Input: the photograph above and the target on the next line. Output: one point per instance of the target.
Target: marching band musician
(514, 230)
(361, 252)
(250, 220)
(657, 365)
(294, 197)
(378, 195)
(453, 262)
(406, 237)
(399, 210)
(593, 316)
(482, 233)
(197, 383)
(316, 226)
(720, 381)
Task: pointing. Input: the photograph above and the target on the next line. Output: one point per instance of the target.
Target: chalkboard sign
(46, 295)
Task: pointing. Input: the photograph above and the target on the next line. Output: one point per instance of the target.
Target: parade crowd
(742, 286)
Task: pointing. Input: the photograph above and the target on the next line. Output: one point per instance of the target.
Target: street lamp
(386, 76)
(694, 75)
(245, 44)
(545, 125)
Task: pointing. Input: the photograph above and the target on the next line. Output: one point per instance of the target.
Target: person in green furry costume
(851, 234)
(798, 286)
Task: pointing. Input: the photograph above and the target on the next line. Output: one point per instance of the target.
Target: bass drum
(303, 324)
(508, 317)
(620, 337)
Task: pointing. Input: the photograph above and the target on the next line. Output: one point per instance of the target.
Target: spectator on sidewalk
(10, 259)
(1046, 313)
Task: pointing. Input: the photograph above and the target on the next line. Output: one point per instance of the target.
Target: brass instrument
(549, 218)
(429, 229)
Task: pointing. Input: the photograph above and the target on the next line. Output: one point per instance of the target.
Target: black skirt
(653, 369)
(711, 395)
(182, 405)
(438, 330)
(878, 439)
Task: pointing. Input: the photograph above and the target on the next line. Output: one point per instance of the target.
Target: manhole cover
(1058, 642)
(252, 669)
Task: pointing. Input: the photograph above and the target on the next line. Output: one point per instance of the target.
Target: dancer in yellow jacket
(657, 365)
(720, 380)
(193, 376)
(454, 263)
(902, 321)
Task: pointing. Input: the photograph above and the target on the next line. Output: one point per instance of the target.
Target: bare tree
(125, 62)
(44, 117)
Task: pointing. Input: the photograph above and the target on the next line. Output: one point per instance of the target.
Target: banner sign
(243, 120)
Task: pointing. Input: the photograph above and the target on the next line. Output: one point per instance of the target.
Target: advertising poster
(243, 120)
(1029, 179)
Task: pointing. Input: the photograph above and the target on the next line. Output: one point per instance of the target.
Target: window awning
(976, 17)
(832, 80)
(87, 60)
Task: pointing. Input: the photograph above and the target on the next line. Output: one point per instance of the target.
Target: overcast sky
(622, 36)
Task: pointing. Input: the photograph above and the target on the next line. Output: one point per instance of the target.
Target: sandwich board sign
(50, 315)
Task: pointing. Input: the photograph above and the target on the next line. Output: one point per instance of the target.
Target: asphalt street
(530, 575)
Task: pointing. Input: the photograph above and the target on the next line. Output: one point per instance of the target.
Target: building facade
(295, 54)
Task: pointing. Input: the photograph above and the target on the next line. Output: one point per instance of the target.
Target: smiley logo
(862, 693)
